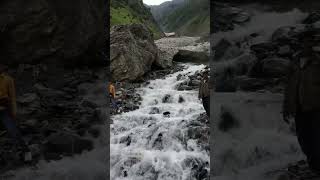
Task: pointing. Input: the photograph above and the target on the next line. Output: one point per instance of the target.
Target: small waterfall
(147, 145)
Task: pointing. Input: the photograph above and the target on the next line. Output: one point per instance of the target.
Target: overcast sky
(154, 2)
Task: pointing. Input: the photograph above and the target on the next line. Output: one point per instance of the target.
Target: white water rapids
(142, 157)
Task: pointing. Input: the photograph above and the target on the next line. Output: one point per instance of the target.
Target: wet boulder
(167, 98)
(264, 50)
(225, 80)
(158, 144)
(281, 33)
(251, 84)
(154, 110)
(181, 99)
(242, 64)
(126, 140)
(68, 144)
(241, 17)
(182, 87)
(220, 48)
(275, 67)
(286, 33)
(194, 82)
(191, 56)
(312, 18)
(228, 120)
(226, 16)
(29, 103)
(166, 114)
(285, 51)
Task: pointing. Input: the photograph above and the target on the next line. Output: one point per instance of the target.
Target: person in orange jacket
(8, 106)
(112, 95)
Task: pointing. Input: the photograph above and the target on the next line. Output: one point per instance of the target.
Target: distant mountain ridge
(165, 8)
(133, 11)
(185, 17)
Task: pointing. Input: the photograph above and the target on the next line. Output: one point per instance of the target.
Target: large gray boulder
(286, 33)
(312, 18)
(66, 143)
(132, 51)
(164, 59)
(71, 32)
(191, 56)
(225, 17)
(275, 67)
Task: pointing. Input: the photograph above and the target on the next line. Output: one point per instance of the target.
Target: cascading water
(147, 145)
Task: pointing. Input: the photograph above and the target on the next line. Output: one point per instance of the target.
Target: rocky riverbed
(250, 65)
(57, 118)
(64, 120)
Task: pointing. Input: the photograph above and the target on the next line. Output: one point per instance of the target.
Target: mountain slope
(191, 18)
(162, 10)
(133, 11)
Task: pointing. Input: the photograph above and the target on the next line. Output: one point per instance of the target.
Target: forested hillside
(133, 11)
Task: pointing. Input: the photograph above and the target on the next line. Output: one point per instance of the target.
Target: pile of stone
(191, 82)
(227, 16)
(57, 118)
(266, 65)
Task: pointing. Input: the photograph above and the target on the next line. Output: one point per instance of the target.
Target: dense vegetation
(133, 11)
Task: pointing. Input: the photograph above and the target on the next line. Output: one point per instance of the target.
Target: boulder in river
(66, 143)
(164, 59)
(312, 17)
(286, 33)
(251, 84)
(264, 50)
(154, 110)
(132, 51)
(167, 98)
(181, 99)
(191, 56)
(275, 67)
(228, 120)
(220, 48)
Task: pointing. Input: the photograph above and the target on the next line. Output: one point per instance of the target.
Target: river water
(150, 146)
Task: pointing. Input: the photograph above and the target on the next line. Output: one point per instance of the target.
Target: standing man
(302, 98)
(8, 107)
(204, 92)
(112, 95)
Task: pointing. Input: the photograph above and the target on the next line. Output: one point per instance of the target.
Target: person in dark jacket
(204, 92)
(302, 98)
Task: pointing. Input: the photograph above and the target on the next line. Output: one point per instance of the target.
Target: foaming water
(261, 143)
(135, 151)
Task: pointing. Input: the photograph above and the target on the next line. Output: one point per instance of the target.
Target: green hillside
(133, 11)
(191, 19)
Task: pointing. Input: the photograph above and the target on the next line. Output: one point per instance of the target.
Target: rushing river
(147, 145)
